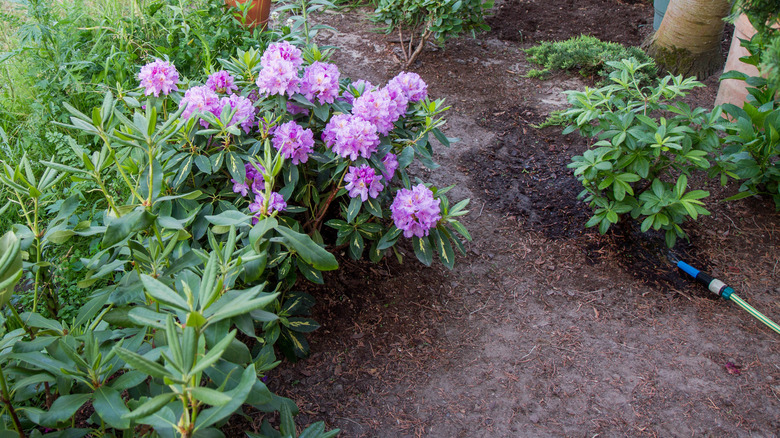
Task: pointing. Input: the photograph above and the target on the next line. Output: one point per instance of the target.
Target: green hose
(726, 292)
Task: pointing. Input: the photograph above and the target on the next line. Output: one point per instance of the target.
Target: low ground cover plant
(213, 197)
(587, 55)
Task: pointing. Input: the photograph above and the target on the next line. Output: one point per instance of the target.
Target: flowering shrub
(223, 196)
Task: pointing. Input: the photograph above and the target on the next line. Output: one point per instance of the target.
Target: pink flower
(245, 111)
(294, 142)
(158, 77)
(321, 80)
(377, 108)
(412, 85)
(390, 162)
(350, 136)
(278, 77)
(221, 82)
(415, 211)
(200, 100)
(282, 51)
(363, 182)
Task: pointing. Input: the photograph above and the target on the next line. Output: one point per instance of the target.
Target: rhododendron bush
(280, 149)
(283, 135)
(219, 194)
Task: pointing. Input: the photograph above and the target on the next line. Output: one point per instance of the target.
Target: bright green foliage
(422, 20)
(764, 15)
(640, 163)
(589, 56)
(753, 144)
(10, 265)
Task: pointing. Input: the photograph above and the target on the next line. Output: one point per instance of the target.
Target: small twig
(529, 353)
(401, 42)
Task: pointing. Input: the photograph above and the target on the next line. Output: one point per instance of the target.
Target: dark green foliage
(587, 55)
(422, 20)
(640, 164)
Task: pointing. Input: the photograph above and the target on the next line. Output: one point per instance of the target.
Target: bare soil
(544, 328)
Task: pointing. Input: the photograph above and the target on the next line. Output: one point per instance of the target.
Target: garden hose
(726, 292)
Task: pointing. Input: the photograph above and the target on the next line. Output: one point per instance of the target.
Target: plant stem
(6, 398)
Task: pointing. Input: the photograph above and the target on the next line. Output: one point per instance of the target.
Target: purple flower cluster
(283, 51)
(200, 100)
(321, 80)
(276, 203)
(390, 161)
(294, 142)
(415, 211)
(221, 82)
(377, 108)
(350, 136)
(279, 75)
(412, 85)
(254, 181)
(245, 111)
(363, 181)
(158, 77)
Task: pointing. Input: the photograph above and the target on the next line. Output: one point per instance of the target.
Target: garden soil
(544, 328)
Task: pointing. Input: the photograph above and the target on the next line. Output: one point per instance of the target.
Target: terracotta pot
(258, 12)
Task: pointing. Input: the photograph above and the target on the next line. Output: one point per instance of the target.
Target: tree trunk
(688, 41)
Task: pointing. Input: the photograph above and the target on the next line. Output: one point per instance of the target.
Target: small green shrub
(752, 148)
(588, 55)
(641, 162)
(430, 19)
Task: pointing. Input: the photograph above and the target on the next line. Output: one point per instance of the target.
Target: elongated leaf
(61, 410)
(119, 229)
(10, 265)
(237, 397)
(150, 406)
(309, 251)
(210, 396)
(140, 363)
(110, 407)
(423, 250)
(163, 293)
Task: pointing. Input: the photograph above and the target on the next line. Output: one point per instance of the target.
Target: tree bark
(688, 41)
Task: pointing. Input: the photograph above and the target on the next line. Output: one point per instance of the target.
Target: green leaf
(302, 325)
(230, 217)
(237, 397)
(62, 410)
(444, 248)
(209, 396)
(356, 245)
(353, 209)
(150, 406)
(423, 250)
(110, 407)
(121, 228)
(309, 272)
(140, 363)
(389, 238)
(10, 265)
(309, 251)
(163, 293)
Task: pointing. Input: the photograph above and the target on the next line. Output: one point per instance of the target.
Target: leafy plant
(424, 20)
(752, 147)
(641, 162)
(589, 56)
(207, 212)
